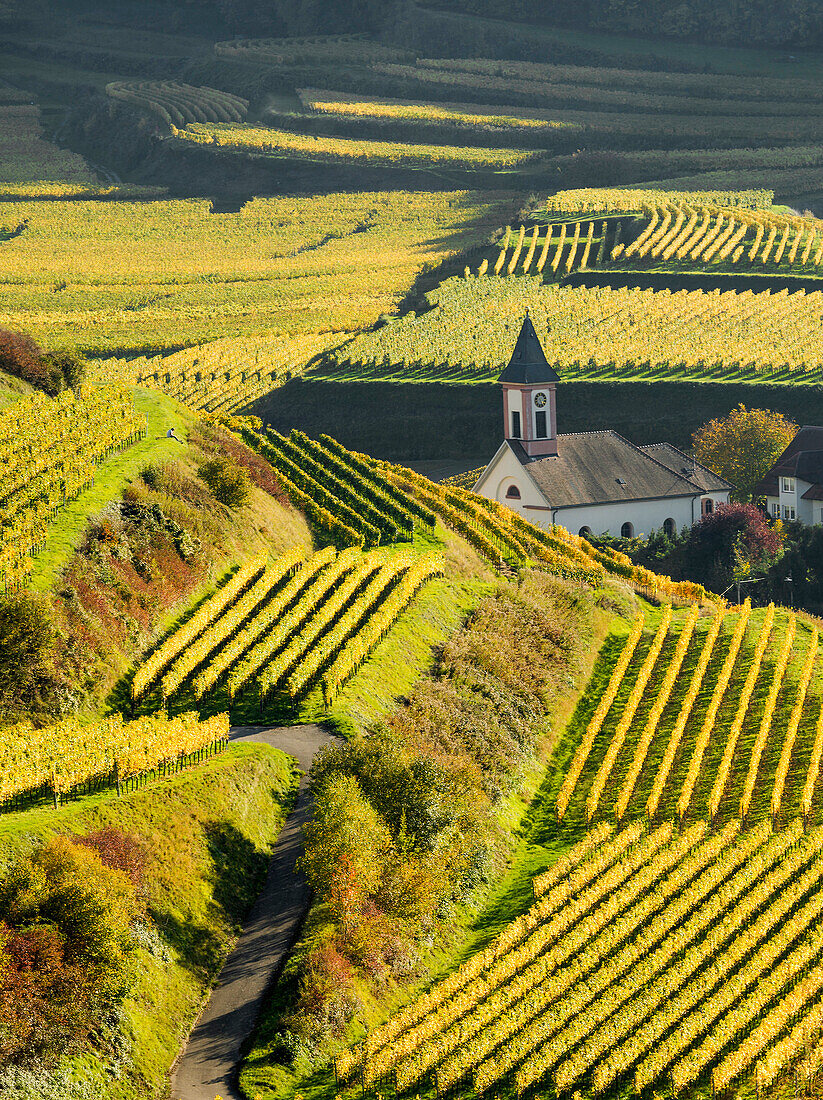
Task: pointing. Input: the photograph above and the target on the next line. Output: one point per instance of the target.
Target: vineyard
(49, 451)
(717, 718)
(70, 758)
(709, 235)
(223, 375)
(287, 625)
(275, 630)
(142, 278)
(646, 958)
(465, 117)
(178, 104)
(594, 333)
(287, 144)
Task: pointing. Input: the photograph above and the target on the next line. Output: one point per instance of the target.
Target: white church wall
(505, 471)
(643, 515)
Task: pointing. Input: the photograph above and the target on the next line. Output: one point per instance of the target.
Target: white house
(793, 488)
(588, 482)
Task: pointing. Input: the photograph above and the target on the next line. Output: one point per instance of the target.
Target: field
(115, 277)
(323, 229)
(631, 938)
(725, 726)
(598, 332)
(282, 143)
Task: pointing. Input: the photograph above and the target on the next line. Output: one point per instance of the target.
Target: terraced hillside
(645, 958)
(286, 625)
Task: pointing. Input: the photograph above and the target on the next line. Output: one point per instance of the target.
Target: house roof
(528, 365)
(601, 468)
(681, 463)
(802, 459)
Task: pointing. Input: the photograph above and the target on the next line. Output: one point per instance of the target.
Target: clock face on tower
(540, 400)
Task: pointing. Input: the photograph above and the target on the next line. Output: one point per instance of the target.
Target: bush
(228, 482)
(65, 946)
(21, 356)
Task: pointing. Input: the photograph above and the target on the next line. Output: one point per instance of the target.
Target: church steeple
(529, 402)
(528, 364)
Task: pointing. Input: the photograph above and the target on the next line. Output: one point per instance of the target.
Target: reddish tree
(733, 538)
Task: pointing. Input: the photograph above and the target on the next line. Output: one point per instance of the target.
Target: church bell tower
(529, 400)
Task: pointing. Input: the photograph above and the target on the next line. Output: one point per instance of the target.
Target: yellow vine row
(655, 714)
(632, 703)
(597, 719)
(711, 714)
(742, 709)
(766, 721)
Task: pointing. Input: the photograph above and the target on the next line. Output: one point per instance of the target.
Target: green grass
(208, 831)
(111, 478)
(12, 389)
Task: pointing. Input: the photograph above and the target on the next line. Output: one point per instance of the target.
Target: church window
(627, 531)
(540, 425)
(513, 493)
(708, 506)
(668, 527)
(515, 425)
(585, 532)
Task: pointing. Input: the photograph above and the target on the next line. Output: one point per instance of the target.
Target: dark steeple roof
(528, 365)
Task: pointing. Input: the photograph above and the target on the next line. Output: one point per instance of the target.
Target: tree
(729, 545)
(66, 944)
(743, 446)
(27, 653)
(229, 482)
(22, 357)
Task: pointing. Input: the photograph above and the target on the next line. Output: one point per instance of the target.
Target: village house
(793, 488)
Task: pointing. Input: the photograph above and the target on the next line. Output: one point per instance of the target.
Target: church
(591, 483)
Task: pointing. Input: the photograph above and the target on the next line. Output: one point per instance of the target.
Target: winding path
(208, 1064)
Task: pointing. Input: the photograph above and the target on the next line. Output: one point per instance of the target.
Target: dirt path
(208, 1064)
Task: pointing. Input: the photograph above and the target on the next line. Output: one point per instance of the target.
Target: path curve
(208, 1064)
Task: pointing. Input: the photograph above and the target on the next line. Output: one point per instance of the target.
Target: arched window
(708, 506)
(627, 531)
(668, 527)
(512, 493)
(585, 532)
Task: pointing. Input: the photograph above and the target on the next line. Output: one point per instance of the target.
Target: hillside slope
(206, 834)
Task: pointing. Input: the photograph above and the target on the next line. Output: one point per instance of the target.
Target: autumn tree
(734, 543)
(743, 446)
